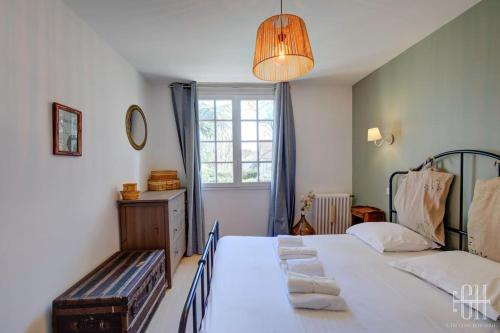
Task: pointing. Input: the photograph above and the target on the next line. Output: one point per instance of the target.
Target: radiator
(331, 213)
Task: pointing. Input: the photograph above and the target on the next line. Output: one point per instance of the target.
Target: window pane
(265, 172)
(265, 151)
(224, 172)
(224, 131)
(248, 109)
(265, 130)
(248, 130)
(206, 109)
(266, 109)
(207, 151)
(249, 151)
(224, 151)
(249, 172)
(224, 109)
(208, 172)
(207, 131)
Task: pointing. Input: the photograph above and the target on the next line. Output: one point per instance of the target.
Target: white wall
(323, 130)
(58, 216)
(239, 211)
(162, 149)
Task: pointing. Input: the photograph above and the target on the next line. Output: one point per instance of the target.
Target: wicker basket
(130, 187)
(130, 195)
(173, 184)
(164, 175)
(157, 185)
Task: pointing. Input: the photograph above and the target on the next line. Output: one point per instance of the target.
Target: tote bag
(420, 202)
(483, 228)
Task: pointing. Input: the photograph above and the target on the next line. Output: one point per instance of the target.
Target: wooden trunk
(119, 296)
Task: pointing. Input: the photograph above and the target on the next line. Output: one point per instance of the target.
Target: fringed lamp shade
(282, 49)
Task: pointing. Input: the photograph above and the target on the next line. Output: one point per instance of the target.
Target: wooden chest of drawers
(119, 296)
(156, 221)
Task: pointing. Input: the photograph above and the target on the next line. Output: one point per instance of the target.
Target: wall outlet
(387, 191)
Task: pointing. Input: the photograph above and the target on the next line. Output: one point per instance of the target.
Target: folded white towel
(317, 302)
(309, 266)
(301, 283)
(289, 252)
(286, 240)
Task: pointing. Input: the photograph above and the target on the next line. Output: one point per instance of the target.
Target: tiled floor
(166, 318)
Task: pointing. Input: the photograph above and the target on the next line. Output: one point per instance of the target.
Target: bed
(247, 292)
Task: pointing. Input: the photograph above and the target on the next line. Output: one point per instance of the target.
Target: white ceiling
(213, 40)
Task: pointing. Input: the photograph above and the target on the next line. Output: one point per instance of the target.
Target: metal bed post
(205, 266)
(461, 213)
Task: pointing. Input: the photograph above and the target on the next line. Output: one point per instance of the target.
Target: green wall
(441, 94)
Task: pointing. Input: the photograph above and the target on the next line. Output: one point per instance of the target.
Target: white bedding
(248, 292)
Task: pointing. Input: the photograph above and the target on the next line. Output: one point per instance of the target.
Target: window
(256, 140)
(236, 138)
(216, 140)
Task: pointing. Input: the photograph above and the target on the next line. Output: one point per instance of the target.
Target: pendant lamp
(282, 49)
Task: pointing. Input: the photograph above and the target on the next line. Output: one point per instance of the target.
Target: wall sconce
(375, 136)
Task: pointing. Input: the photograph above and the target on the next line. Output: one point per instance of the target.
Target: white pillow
(390, 237)
(453, 270)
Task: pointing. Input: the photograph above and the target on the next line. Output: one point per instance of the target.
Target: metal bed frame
(204, 272)
(202, 279)
(462, 230)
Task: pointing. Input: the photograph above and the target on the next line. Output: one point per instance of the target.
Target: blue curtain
(282, 205)
(185, 101)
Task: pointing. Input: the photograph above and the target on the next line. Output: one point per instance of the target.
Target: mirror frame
(128, 117)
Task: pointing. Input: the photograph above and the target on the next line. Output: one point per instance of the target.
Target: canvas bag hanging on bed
(483, 228)
(420, 202)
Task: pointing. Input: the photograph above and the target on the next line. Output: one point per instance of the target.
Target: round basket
(173, 184)
(130, 187)
(130, 195)
(157, 185)
(163, 174)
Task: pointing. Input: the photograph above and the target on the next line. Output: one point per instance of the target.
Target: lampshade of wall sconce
(374, 134)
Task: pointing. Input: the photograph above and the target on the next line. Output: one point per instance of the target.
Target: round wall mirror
(137, 128)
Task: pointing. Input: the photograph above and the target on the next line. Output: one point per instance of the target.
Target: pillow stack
(308, 288)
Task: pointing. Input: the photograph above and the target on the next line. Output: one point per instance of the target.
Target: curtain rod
(184, 85)
(229, 85)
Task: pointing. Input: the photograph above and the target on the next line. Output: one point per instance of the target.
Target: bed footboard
(200, 285)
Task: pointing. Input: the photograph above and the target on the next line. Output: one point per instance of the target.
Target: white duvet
(248, 292)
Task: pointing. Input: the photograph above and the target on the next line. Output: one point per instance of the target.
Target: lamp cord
(281, 18)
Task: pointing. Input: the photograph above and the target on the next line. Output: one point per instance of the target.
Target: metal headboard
(462, 230)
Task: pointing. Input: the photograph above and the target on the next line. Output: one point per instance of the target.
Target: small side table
(367, 214)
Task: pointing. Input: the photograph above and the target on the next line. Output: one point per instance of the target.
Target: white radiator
(331, 213)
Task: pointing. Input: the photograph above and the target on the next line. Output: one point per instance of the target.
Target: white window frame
(236, 94)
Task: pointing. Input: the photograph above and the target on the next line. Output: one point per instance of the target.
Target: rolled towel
(310, 266)
(296, 252)
(317, 302)
(286, 240)
(301, 283)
